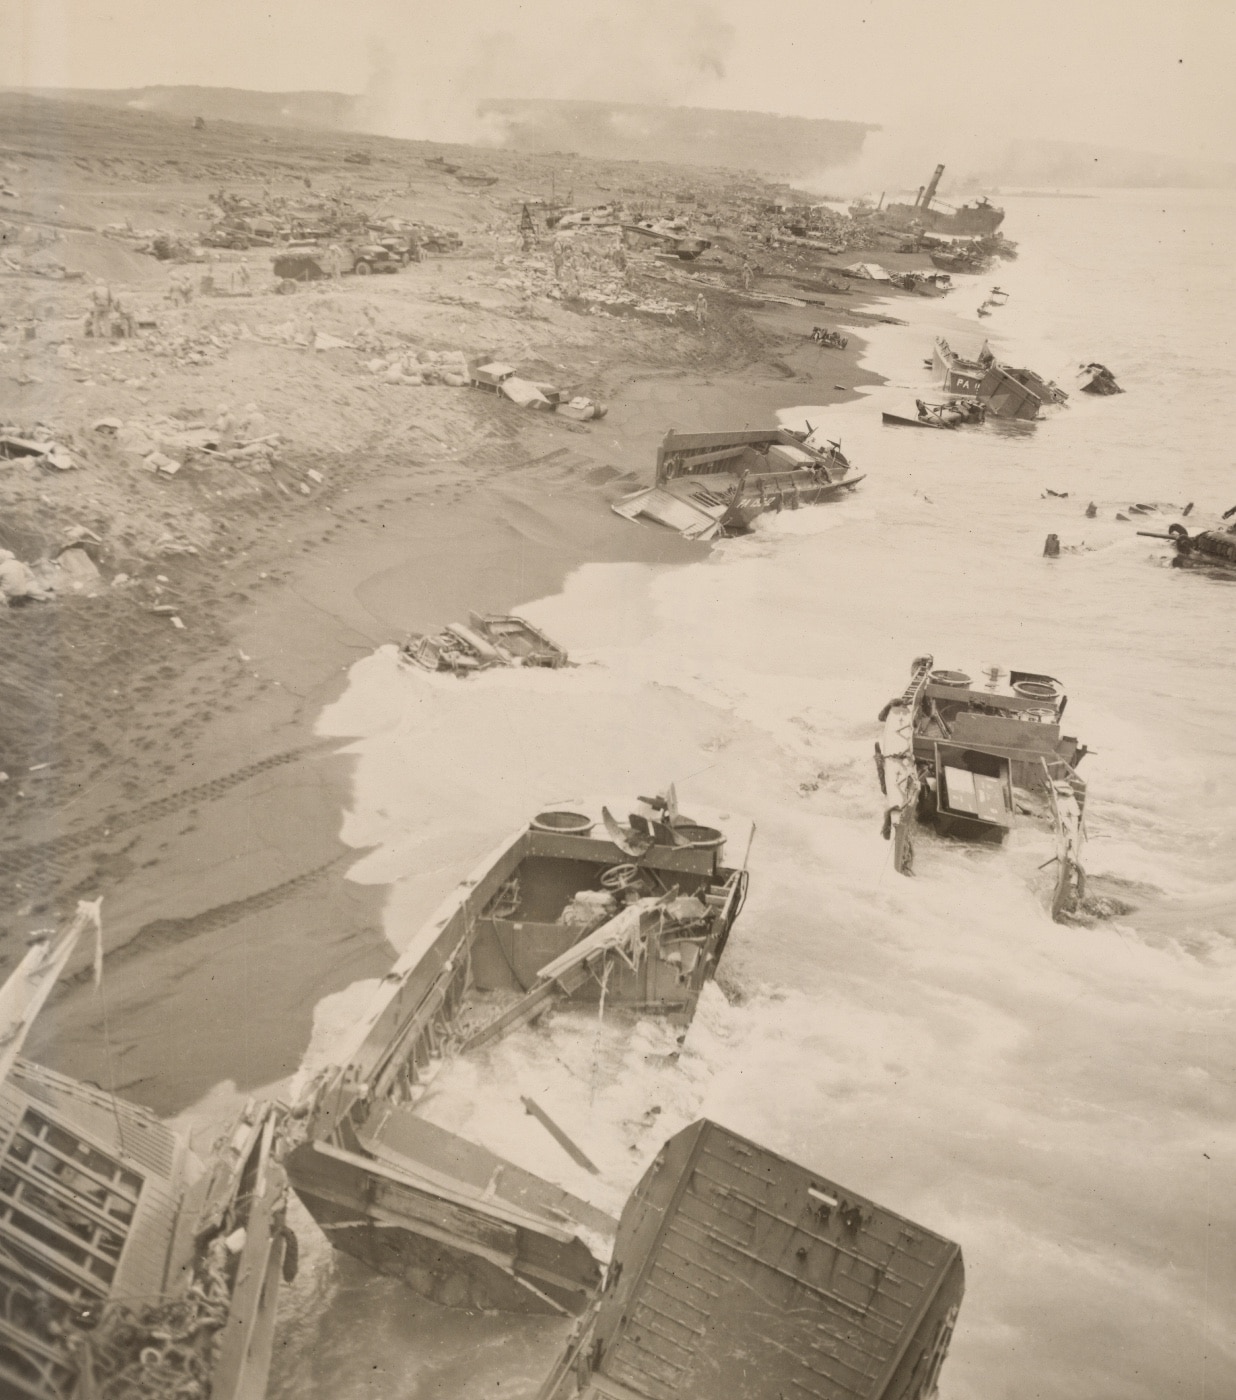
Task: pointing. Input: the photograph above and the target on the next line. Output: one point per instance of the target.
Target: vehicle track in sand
(48, 855)
(164, 933)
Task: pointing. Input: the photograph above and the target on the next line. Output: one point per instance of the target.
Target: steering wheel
(620, 877)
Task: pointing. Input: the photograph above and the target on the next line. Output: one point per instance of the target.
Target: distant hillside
(794, 148)
(334, 111)
(772, 145)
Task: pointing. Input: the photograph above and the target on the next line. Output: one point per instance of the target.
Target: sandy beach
(181, 776)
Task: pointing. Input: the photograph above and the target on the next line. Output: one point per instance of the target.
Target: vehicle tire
(362, 269)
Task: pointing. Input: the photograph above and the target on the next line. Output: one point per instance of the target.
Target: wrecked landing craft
(709, 485)
(972, 756)
(1005, 392)
(400, 1164)
(489, 640)
(127, 1266)
(737, 1273)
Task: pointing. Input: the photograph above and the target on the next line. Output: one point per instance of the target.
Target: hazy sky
(1124, 72)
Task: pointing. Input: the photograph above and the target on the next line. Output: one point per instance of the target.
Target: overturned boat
(709, 485)
(420, 1151)
(1096, 378)
(489, 639)
(737, 1273)
(127, 1266)
(974, 753)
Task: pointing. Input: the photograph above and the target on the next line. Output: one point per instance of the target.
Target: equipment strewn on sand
(709, 485)
(128, 1268)
(473, 1205)
(738, 1274)
(489, 640)
(973, 756)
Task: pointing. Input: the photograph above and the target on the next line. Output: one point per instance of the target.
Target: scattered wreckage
(129, 1269)
(709, 485)
(489, 640)
(972, 756)
(738, 1273)
(1214, 549)
(948, 416)
(502, 379)
(1005, 391)
(834, 340)
(456, 1189)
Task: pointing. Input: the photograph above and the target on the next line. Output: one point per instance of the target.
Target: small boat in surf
(419, 1150)
(976, 757)
(949, 416)
(854, 1302)
(129, 1268)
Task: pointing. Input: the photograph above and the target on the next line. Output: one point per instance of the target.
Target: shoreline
(228, 915)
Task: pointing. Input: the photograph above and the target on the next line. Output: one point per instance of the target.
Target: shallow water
(1058, 1099)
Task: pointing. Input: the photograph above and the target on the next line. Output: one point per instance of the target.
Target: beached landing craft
(634, 920)
(972, 756)
(738, 1274)
(709, 485)
(129, 1270)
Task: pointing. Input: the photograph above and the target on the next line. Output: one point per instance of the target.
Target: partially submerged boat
(709, 485)
(128, 1268)
(949, 416)
(974, 754)
(1001, 390)
(737, 1273)
(490, 639)
(470, 1202)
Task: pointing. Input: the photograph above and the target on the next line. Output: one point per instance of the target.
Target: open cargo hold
(413, 1179)
(127, 1266)
(709, 485)
(974, 756)
(738, 1274)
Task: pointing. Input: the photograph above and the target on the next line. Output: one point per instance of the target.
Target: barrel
(563, 823)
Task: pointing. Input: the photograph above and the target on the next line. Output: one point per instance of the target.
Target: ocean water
(1059, 1099)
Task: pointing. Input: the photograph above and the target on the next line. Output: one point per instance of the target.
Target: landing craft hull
(971, 757)
(709, 485)
(440, 1208)
(739, 1274)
